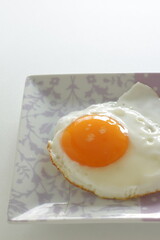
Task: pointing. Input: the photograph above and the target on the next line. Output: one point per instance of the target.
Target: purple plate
(39, 192)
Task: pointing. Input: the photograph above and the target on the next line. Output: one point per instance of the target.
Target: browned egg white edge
(49, 148)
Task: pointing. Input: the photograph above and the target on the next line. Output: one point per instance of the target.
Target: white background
(69, 36)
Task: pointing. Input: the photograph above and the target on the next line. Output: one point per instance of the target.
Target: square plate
(39, 192)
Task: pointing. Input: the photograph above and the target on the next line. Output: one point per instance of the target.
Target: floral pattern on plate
(39, 191)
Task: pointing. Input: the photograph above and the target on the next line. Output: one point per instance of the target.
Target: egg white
(137, 172)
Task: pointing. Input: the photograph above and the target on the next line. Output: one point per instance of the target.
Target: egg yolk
(95, 140)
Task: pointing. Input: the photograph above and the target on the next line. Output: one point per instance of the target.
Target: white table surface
(69, 36)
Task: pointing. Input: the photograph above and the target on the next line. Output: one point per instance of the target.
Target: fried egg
(112, 149)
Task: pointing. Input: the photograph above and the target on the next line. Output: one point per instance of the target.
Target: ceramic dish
(39, 192)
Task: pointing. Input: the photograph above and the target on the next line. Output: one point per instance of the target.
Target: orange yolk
(95, 140)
